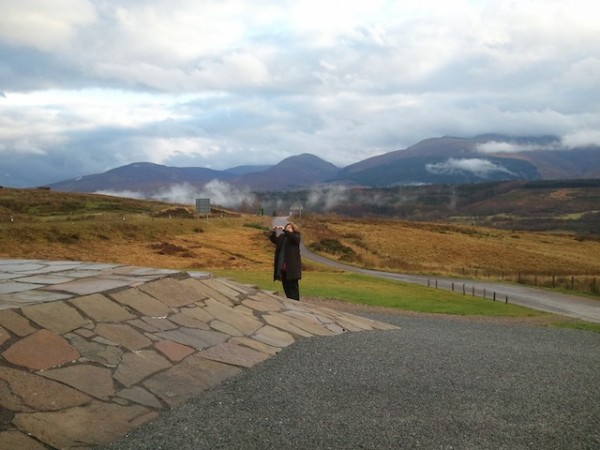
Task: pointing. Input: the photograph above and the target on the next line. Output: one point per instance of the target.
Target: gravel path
(436, 383)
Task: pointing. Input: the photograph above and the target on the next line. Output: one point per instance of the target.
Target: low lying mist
(219, 193)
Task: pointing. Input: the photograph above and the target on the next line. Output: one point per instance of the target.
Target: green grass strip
(362, 289)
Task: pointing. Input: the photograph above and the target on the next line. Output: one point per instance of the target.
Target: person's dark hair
(294, 226)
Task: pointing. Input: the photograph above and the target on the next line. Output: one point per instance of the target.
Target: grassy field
(37, 224)
(567, 260)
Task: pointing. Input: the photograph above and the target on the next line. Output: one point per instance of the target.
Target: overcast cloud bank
(87, 85)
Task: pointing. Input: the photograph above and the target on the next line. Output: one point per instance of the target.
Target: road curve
(543, 300)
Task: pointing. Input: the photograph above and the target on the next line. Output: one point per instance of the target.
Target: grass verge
(356, 288)
(361, 289)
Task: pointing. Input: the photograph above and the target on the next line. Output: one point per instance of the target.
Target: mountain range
(444, 160)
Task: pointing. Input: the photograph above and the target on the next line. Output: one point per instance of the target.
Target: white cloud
(91, 84)
(219, 192)
(478, 167)
(224, 194)
(327, 197)
(582, 138)
(44, 25)
(514, 147)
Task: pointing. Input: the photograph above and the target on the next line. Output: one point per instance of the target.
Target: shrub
(334, 247)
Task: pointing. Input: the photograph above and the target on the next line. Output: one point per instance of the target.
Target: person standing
(287, 265)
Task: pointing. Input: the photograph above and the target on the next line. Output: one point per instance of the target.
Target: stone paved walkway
(91, 351)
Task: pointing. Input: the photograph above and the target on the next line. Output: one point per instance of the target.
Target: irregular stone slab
(55, 316)
(311, 316)
(141, 396)
(197, 313)
(354, 323)
(217, 285)
(225, 328)
(348, 326)
(261, 306)
(233, 354)
(306, 322)
(15, 440)
(198, 339)
(270, 297)
(274, 337)
(41, 350)
(285, 324)
(84, 286)
(209, 292)
(44, 279)
(124, 335)
(141, 325)
(160, 324)
(94, 381)
(244, 289)
(246, 324)
(173, 350)
(188, 378)
(134, 367)
(143, 271)
(244, 310)
(141, 302)
(172, 292)
(106, 355)
(198, 275)
(9, 287)
(101, 309)
(28, 392)
(22, 265)
(186, 320)
(104, 267)
(85, 331)
(15, 323)
(34, 296)
(85, 426)
(4, 336)
(254, 344)
(84, 273)
(265, 298)
(335, 328)
(383, 326)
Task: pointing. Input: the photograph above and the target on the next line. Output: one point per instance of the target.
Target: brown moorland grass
(52, 225)
(451, 249)
(140, 240)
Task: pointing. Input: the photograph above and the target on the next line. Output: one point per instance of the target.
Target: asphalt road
(543, 300)
(432, 384)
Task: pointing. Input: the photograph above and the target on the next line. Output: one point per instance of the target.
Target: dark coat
(290, 243)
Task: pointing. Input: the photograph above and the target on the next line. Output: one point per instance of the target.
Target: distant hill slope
(295, 172)
(147, 178)
(486, 158)
(245, 170)
(444, 160)
(141, 177)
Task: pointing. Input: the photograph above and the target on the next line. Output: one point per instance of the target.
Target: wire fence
(584, 283)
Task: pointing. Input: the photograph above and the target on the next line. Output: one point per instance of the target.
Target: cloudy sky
(89, 85)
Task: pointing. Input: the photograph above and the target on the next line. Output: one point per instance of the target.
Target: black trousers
(290, 287)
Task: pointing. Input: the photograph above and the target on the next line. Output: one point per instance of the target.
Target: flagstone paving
(90, 351)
